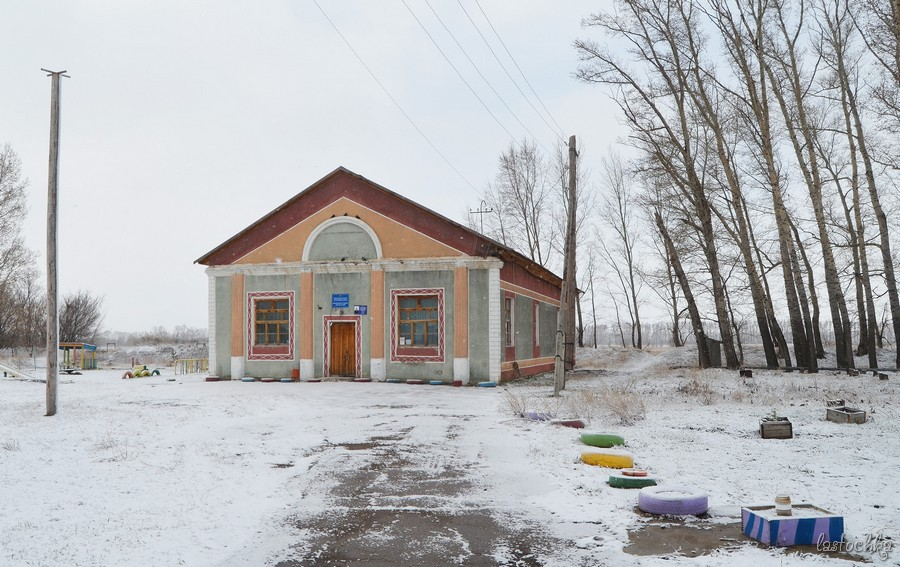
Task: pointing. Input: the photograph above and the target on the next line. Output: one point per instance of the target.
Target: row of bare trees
(761, 174)
(23, 302)
(764, 136)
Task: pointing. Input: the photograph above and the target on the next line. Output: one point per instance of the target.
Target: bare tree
(656, 102)
(80, 317)
(836, 36)
(619, 253)
(790, 85)
(521, 199)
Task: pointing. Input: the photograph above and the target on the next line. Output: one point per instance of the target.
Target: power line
(458, 74)
(393, 100)
(527, 82)
(558, 130)
(480, 74)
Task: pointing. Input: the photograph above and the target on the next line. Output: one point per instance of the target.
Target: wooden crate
(843, 414)
(780, 429)
(807, 525)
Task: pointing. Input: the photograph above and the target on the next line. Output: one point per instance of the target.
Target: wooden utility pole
(52, 279)
(565, 319)
(569, 271)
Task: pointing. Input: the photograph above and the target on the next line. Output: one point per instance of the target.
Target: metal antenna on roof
(482, 210)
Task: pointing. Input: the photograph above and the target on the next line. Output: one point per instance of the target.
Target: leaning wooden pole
(559, 367)
(52, 279)
(569, 272)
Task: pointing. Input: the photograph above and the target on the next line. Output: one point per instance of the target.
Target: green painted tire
(603, 440)
(155, 373)
(622, 481)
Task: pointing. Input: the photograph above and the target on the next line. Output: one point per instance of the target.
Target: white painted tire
(673, 500)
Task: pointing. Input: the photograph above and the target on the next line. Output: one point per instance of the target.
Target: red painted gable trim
(344, 183)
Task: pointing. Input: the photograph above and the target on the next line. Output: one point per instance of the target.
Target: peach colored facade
(347, 251)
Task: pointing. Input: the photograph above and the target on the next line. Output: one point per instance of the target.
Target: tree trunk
(696, 321)
(802, 135)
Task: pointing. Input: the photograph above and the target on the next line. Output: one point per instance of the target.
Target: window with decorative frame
(417, 325)
(270, 321)
(508, 321)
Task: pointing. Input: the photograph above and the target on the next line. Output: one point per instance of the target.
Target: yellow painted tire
(609, 459)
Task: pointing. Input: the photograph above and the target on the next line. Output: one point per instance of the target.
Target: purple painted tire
(673, 500)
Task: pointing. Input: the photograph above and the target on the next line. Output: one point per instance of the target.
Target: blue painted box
(807, 525)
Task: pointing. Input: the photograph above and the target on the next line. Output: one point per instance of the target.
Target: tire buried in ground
(609, 458)
(674, 500)
(605, 440)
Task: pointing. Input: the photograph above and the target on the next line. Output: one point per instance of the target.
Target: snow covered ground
(150, 471)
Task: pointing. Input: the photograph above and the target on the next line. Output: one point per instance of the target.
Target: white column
(461, 370)
(237, 367)
(307, 369)
(211, 324)
(494, 327)
(377, 369)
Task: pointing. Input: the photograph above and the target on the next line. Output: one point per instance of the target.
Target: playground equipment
(191, 365)
(78, 356)
(140, 371)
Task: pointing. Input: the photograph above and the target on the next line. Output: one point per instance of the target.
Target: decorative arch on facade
(323, 229)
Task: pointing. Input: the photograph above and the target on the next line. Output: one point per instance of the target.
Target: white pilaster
(494, 327)
(237, 367)
(211, 324)
(307, 369)
(461, 370)
(377, 369)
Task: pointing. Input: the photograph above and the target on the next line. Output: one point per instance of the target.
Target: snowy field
(149, 471)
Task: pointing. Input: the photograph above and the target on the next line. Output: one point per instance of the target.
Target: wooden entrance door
(342, 357)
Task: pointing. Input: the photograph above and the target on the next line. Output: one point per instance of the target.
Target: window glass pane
(283, 334)
(282, 304)
(430, 301)
(419, 335)
(432, 334)
(407, 303)
(405, 330)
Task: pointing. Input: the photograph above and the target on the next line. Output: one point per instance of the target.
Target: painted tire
(314, 380)
(537, 415)
(267, 380)
(568, 422)
(393, 380)
(154, 373)
(362, 379)
(609, 458)
(634, 472)
(127, 374)
(212, 378)
(602, 439)
(437, 382)
(622, 481)
(415, 381)
(285, 380)
(487, 384)
(248, 379)
(673, 500)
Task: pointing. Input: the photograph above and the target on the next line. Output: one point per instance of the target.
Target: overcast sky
(184, 122)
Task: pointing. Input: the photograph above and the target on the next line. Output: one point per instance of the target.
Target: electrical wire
(458, 74)
(393, 100)
(558, 130)
(513, 59)
(480, 74)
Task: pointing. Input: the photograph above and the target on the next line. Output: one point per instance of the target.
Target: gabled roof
(342, 183)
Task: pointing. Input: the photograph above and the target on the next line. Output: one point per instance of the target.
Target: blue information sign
(340, 300)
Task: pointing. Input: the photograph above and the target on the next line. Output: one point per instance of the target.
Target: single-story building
(348, 278)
